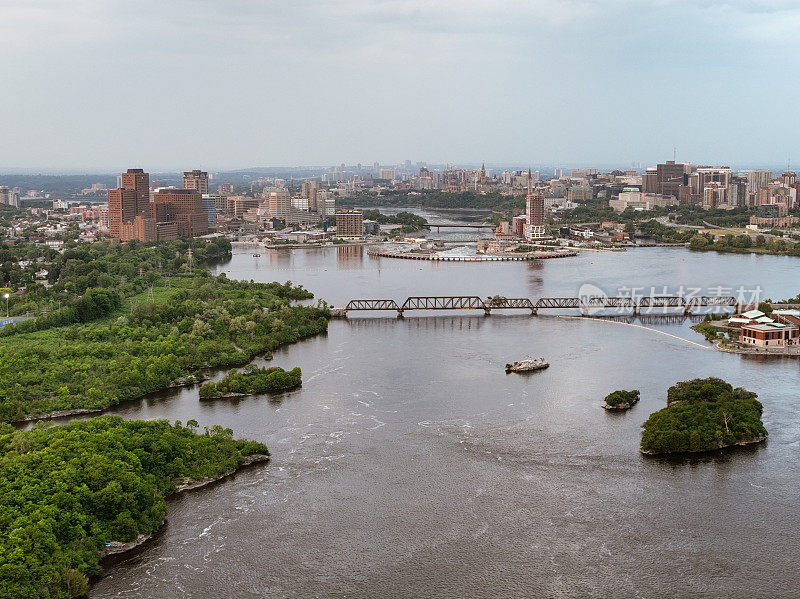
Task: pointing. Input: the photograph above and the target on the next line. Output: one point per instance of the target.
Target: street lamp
(6, 295)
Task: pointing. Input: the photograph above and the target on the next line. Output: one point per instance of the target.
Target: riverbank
(792, 351)
(117, 550)
(57, 414)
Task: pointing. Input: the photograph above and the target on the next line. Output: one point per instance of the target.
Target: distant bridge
(460, 226)
(584, 304)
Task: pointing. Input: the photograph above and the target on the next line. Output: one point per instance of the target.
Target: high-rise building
(669, 179)
(387, 173)
(197, 180)
(210, 208)
(650, 181)
(135, 179)
(121, 209)
(279, 202)
(349, 223)
(130, 200)
(309, 191)
(534, 209)
(758, 179)
(9, 197)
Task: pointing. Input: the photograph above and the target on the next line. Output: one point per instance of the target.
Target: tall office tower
(197, 180)
(650, 181)
(669, 179)
(122, 208)
(138, 181)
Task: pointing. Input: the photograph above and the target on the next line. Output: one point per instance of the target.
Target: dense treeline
(743, 244)
(252, 380)
(703, 415)
(208, 322)
(66, 491)
(127, 268)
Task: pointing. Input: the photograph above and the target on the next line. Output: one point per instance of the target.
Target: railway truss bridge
(644, 306)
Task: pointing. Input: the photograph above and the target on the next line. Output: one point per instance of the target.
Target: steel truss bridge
(644, 305)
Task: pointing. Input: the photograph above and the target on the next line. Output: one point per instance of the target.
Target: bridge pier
(637, 310)
(687, 309)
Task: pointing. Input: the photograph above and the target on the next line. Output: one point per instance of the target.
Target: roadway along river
(410, 465)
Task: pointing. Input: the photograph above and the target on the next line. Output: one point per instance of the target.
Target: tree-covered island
(69, 493)
(252, 380)
(621, 399)
(704, 415)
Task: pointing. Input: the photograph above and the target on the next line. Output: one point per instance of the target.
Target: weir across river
(584, 304)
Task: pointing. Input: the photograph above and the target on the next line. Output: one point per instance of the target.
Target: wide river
(410, 465)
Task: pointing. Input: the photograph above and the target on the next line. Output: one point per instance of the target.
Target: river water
(410, 465)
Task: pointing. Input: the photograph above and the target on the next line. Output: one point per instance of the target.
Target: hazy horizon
(93, 86)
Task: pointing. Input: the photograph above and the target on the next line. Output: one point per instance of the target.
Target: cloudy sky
(173, 84)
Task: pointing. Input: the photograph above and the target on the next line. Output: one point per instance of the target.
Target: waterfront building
(772, 334)
(349, 223)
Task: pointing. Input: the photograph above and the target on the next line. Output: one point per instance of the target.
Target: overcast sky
(174, 84)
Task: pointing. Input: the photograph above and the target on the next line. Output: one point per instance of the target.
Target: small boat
(527, 365)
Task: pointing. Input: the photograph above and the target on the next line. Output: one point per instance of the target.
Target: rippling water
(410, 465)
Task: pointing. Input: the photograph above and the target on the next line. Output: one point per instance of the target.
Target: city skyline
(245, 84)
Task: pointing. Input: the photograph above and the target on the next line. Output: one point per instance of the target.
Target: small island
(621, 400)
(704, 415)
(252, 380)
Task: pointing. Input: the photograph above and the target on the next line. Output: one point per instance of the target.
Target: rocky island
(252, 380)
(704, 415)
(621, 400)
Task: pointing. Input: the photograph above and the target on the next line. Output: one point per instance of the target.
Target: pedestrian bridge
(644, 304)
